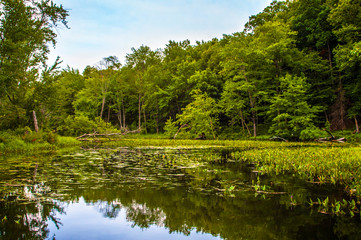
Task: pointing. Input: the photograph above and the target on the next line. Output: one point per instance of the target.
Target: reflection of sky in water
(84, 221)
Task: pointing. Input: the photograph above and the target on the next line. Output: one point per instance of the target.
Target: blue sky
(102, 28)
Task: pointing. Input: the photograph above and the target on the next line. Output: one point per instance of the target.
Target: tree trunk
(157, 120)
(35, 122)
(102, 110)
(357, 128)
(326, 117)
(123, 113)
(184, 125)
(244, 124)
(254, 120)
(139, 113)
(109, 112)
(119, 115)
(145, 120)
(214, 135)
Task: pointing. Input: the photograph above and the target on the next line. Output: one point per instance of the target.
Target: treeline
(294, 70)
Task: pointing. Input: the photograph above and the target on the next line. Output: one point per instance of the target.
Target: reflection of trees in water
(109, 210)
(25, 214)
(143, 216)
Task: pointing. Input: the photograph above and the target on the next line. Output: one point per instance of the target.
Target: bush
(67, 141)
(6, 136)
(78, 125)
(21, 131)
(15, 144)
(201, 116)
(354, 137)
(51, 137)
(234, 133)
(311, 133)
(170, 128)
(33, 137)
(104, 127)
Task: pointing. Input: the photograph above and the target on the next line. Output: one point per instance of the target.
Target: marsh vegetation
(183, 189)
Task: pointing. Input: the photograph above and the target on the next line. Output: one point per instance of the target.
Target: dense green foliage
(294, 69)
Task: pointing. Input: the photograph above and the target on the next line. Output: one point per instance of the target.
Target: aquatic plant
(317, 164)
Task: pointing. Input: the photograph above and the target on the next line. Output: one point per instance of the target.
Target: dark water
(159, 194)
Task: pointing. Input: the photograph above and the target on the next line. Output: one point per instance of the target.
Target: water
(158, 194)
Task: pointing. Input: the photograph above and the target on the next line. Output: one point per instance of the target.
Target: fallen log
(275, 138)
(340, 140)
(84, 137)
(332, 138)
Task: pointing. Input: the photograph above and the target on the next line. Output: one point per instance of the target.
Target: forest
(292, 71)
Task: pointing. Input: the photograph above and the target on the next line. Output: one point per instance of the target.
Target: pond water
(159, 194)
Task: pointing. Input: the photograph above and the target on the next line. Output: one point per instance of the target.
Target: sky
(102, 28)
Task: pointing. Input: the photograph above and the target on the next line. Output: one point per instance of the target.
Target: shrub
(51, 137)
(67, 141)
(33, 137)
(170, 128)
(234, 133)
(201, 116)
(311, 133)
(15, 144)
(6, 136)
(77, 125)
(104, 127)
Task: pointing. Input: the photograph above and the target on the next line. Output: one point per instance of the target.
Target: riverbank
(13, 143)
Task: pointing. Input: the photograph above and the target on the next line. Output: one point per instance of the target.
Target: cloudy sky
(102, 28)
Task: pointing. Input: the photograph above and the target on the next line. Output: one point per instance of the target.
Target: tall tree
(139, 60)
(242, 86)
(26, 29)
(346, 20)
(107, 72)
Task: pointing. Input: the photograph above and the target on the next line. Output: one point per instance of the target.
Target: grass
(11, 143)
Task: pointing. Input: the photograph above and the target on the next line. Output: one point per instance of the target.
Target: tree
(26, 29)
(267, 15)
(243, 84)
(107, 70)
(139, 60)
(345, 18)
(200, 116)
(289, 111)
(178, 67)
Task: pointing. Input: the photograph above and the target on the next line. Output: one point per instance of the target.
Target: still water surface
(158, 194)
